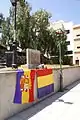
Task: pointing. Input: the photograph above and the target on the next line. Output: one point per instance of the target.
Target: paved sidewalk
(61, 106)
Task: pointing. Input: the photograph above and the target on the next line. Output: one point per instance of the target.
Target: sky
(67, 10)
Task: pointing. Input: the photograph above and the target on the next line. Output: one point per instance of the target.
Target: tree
(6, 31)
(1, 19)
(4, 25)
(59, 38)
(23, 24)
(40, 30)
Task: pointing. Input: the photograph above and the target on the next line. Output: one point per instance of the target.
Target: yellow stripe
(25, 97)
(45, 80)
(27, 72)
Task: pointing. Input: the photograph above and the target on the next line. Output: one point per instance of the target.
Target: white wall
(7, 89)
(69, 26)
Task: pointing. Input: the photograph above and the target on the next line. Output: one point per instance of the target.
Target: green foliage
(6, 31)
(40, 29)
(67, 60)
(23, 24)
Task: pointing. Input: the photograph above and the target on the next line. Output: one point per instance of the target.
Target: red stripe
(31, 91)
(43, 72)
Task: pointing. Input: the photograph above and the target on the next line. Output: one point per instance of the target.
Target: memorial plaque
(32, 58)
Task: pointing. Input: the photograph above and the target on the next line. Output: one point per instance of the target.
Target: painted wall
(7, 89)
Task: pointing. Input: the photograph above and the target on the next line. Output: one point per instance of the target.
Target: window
(78, 35)
(67, 31)
(78, 47)
(77, 62)
(77, 39)
(67, 42)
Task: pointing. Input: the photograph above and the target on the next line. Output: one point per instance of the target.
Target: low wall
(70, 75)
(8, 84)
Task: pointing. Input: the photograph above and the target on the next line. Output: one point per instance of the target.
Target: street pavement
(60, 106)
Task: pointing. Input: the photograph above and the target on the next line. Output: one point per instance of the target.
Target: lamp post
(14, 4)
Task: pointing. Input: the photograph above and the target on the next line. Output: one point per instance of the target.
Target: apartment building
(76, 51)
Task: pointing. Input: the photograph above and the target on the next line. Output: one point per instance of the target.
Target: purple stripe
(45, 90)
(18, 94)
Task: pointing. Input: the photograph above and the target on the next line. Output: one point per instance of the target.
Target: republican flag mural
(45, 82)
(24, 92)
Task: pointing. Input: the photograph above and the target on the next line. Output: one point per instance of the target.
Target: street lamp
(14, 4)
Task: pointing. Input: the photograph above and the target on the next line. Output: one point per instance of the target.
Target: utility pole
(60, 60)
(61, 76)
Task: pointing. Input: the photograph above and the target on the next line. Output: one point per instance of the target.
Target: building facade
(76, 51)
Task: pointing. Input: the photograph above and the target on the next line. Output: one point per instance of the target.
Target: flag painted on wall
(24, 92)
(45, 82)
